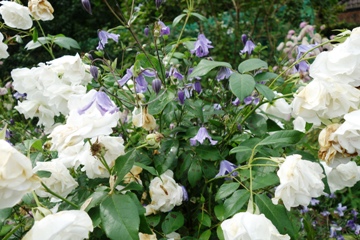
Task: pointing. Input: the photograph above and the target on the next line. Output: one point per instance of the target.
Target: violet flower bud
(156, 85)
(87, 6)
(181, 96)
(158, 3)
(146, 31)
(244, 38)
(197, 86)
(94, 72)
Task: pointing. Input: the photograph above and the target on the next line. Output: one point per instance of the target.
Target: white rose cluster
(165, 193)
(49, 87)
(16, 15)
(71, 224)
(332, 93)
(246, 225)
(16, 175)
(300, 180)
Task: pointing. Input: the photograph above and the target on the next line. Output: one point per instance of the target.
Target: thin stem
(58, 196)
(7, 236)
(47, 48)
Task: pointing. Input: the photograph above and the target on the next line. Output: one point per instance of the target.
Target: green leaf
(241, 85)
(120, 217)
(43, 174)
(264, 76)
(265, 181)
(219, 211)
(4, 214)
(257, 124)
(173, 221)
(199, 16)
(284, 137)
(241, 149)
(204, 219)
(149, 61)
(178, 19)
(219, 233)
(157, 106)
(208, 153)
(251, 64)
(205, 235)
(265, 91)
(35, 35)
(194, 173)
(206, 66)
(153, 220)
(124, 163)
(96, 198)
(277, 214)
(226, 189)
(66, 42)
(234, 203)
(40, 41)
(168, 160)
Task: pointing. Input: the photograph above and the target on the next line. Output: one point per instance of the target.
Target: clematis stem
(46, 45)
(58, 196)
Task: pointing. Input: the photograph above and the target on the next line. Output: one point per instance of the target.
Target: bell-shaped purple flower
(173, 72)
(146, 31)
(158, 3)
(94, 72)
(156, 85)
(248, 48)
(226, 167)
(104, 36)
(87, 6)
(140, 81)
(197, 87)
(303, 66)
(181, 96)
(161, 29)
(224, 73)
(236, 102)
(200, 137)
(102, 102)
(202, 45)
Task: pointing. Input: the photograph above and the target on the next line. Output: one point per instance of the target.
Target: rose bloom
(300, 180)
(245, 225)
(3, 48)
(60, 181)
(279, 108)
(165, 193)
(344, 175)
(325, 99)
(64, 225)
(106, 147)
(15, 15)
(17, 176)
(41, 10)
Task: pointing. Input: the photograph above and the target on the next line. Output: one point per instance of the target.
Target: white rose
(16, 15)
(165, 193)
(279, 108)
(246, 225)
(17, 176)
(344, 175)
(300, 180)
(3, 48)
(110, 148)
(41, 10)
(60, 181)
(71, 224)
(325, 99)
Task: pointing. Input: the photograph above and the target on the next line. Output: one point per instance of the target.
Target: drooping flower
(200, 137)
(87, 6)
(224, 73)
(146, 31)
(3, 48)
(100, 100)
(156, 85)
(173, 72)
(141, 118)
(202, 45)
(300, 181)
(181, 96)
(340, 210)
(41, 10)
(104, 36)
(226, 167)
(15, 15)
(303, 66)
(248, 47)
(161, 29)
(140, 81)
(245, 225)
(94, 71)
(17, 177)
(69, 224)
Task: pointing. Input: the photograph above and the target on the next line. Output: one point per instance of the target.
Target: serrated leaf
(277, 214)
(226, 190)
(120, 217)
(265, 91)
(178, 19)
(252, 64)
(234, 203)
(241, 85)
(206, 66)
(285, 137)
(173, 221)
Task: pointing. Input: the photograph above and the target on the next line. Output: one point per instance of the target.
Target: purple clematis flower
(340, 210)
(224, 73)
(104, 36)
(201, 135)
(162, 28)
(140, 81)
(303, 66)
(202, 45)
(173, 72)
(102, 102)
(248, 48)
(156, 85)
(87, 6)
(197, 87)
(226, 167)
(185, 194)
(181, 96)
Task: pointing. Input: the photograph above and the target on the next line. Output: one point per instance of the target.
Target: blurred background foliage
(265, 22)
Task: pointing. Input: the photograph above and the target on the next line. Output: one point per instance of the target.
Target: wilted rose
(41, 10)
